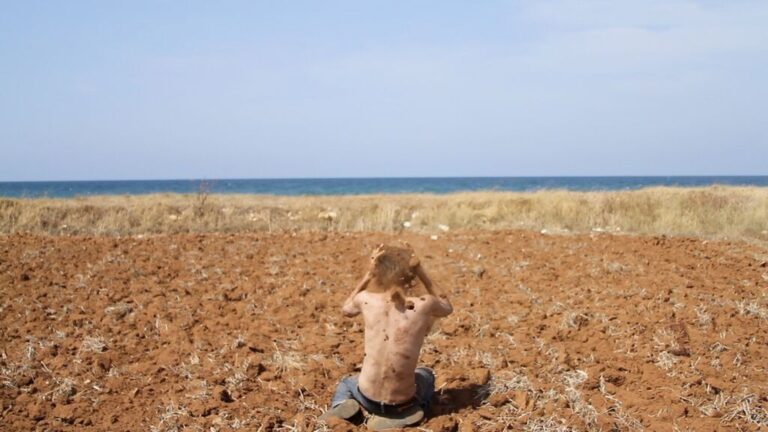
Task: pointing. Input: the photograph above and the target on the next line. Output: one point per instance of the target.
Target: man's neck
(384, 287)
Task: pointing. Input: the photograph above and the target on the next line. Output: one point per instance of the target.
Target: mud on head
(394, 266)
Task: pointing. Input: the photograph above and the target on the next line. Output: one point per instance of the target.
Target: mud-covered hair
(394, 264)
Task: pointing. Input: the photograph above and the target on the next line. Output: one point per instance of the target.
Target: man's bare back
(395, 327)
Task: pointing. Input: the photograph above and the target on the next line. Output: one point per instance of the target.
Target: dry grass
(717, 211)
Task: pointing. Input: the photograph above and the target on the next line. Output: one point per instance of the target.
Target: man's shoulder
(365, 297)
(423, 298)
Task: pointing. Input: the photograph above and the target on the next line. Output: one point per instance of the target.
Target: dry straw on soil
(718, 211)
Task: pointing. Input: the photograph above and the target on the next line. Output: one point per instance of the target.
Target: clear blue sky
(186, 89)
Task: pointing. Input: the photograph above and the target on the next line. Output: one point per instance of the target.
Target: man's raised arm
(442, 306)
(351, 307)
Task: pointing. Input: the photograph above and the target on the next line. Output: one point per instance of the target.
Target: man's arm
(442, 306)
(351, 307)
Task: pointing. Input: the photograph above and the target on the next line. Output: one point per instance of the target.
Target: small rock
(66, 413)
(407, 224)
(25, 380)
(485, 413)
(479, 377)
(443, 424)
(217, 420)
(498, 400)
(37, 411)
(199, 408)
(327, 215)
(433, 237)
(103, 364)
(24, 277)
(614, 378)
(520, 399)
(224, 395)
(680, 351)
(479, 272)
(119, 311)
(449, 328)
(443, 228)
(337, 424)
(466, 427)
(24, 399)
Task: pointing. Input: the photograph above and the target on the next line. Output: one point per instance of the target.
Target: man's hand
(414, 263)
(422, 275)
(379, 251)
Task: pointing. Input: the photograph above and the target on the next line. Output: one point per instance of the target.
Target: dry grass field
(732, 212)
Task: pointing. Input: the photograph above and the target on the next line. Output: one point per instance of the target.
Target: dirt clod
(479, 272)
(225, 396)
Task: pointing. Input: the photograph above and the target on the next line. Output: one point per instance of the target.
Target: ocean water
(357, 186)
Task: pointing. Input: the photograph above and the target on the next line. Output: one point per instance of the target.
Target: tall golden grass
(717, 211)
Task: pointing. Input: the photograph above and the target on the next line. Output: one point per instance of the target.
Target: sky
(286, 89)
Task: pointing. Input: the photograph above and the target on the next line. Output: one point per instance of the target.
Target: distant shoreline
(363, 186)
(711, 212)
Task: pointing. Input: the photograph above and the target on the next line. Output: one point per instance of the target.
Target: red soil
(193, 332)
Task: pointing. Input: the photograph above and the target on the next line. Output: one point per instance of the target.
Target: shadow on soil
(452, 400)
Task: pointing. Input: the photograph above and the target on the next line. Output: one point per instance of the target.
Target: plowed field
(225, 332)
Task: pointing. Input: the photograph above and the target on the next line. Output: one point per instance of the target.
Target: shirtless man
(390, 386)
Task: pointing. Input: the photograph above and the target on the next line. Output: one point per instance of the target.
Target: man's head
(394, 266)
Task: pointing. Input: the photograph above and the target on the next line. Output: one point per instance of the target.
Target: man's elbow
(349, 311)
(444, 309)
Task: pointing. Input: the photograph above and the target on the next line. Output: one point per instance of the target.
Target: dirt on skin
(225, 332)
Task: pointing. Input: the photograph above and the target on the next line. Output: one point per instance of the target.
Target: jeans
(348, 389)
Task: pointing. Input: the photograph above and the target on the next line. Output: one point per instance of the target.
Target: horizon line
(202, 179)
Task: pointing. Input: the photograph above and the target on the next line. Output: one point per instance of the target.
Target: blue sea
(357, 186)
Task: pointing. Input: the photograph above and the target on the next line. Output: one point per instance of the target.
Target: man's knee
(425, 378)
(425, 386)
(345, 389)
(349, 382)
(425, 373)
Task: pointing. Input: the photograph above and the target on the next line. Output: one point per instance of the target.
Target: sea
(359, 186)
